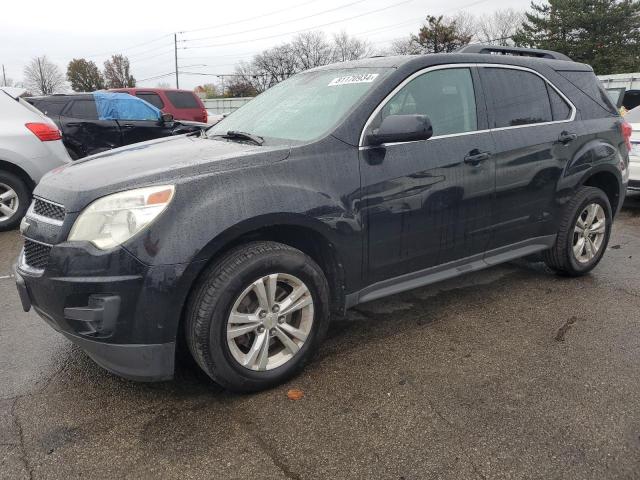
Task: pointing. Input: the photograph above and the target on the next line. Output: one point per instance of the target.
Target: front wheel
(584, 233)
(15, 198)
(257, 316)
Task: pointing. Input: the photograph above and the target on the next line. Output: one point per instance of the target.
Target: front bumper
(122, 313)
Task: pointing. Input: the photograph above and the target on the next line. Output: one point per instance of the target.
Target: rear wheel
(584, 233)
(257, 316)
(14, 200)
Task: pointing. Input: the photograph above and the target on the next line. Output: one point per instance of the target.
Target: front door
(429, 202)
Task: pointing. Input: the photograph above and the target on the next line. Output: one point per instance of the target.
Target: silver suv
(30, 146)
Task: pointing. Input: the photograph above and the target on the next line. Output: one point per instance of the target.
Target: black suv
(340, 185)
(85, 132)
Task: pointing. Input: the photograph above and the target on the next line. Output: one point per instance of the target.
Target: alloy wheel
(589, 233)
(270, 322)
(9, 202)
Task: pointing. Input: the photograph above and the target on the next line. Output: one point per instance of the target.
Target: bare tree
(276, 64)
(405, 46)
(42, 77)
(346, 47)
(311, 49)
(116, 72)
(466, 25)
(248, 73)
(498, 27)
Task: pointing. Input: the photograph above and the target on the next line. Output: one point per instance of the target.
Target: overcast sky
(216, 34)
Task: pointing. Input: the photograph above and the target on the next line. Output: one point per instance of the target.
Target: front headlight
(114, 219)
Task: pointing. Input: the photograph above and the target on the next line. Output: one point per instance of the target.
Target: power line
(257, 17)
(266, 27)
(302, 30)
(128, 48)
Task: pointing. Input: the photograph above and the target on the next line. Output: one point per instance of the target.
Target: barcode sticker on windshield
(350, 79)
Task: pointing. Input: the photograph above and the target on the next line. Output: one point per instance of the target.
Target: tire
(230, 284)
(562, 258)
(10, 182)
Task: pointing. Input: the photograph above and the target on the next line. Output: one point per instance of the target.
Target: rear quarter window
(183, 99)
(589, 85)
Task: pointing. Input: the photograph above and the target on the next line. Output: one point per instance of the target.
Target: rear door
(427, 202)
(535, 135)
(84, 134)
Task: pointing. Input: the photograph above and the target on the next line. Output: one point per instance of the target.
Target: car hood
(167, 160)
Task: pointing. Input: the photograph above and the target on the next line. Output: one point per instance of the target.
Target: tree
(84, 76)
(346, 47)
(310, 49)
(208, 90)
(498, 27)
(602, 33)
(116, 72)
(41, 77)
(441, 34)
(240, 88)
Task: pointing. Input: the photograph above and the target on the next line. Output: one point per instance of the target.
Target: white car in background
(30, 146)
(633, 117)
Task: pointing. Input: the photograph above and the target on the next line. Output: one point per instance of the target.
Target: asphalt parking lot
(507, 373)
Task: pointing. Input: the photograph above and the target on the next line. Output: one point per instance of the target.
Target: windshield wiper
(235, 134)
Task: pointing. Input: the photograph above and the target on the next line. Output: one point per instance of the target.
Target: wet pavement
(507, 373)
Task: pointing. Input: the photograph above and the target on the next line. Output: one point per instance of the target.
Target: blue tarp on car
(122, 106)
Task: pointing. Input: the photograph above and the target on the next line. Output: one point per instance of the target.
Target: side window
(446, 96)
(153, 98)
(559, 108)
(85, 109)
(183, 99)
(515, 97)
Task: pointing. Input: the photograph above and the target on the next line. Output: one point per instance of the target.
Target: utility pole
(4, 76)
(175, 51)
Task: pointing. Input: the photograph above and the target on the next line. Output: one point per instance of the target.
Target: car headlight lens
(114, 219)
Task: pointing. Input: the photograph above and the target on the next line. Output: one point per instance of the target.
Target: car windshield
(304, 107)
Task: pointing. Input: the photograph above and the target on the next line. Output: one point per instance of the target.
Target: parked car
(633, 118)
(94, 122)
(341, 185)
(182, 104)
(30, 146)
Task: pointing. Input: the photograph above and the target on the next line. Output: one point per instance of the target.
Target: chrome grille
(48, 209)
(36, 255)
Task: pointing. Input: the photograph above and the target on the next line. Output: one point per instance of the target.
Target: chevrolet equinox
(343, 184)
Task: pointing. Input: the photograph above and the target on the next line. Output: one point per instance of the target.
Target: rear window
(183, 99)
(515, 97)
(153, 98)
(49, 108)
(83, 109)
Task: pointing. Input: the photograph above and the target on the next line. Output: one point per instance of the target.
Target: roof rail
(515, 51)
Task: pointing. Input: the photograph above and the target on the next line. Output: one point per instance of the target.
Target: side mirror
(166, 118)
(401, 128)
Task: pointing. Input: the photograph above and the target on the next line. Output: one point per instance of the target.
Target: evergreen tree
(602, 33)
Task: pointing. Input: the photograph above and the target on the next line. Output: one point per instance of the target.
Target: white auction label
(350, 79)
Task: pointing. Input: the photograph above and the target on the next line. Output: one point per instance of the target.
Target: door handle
(74, 124)
(474, 157)
(567, 137)
(128, 125)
